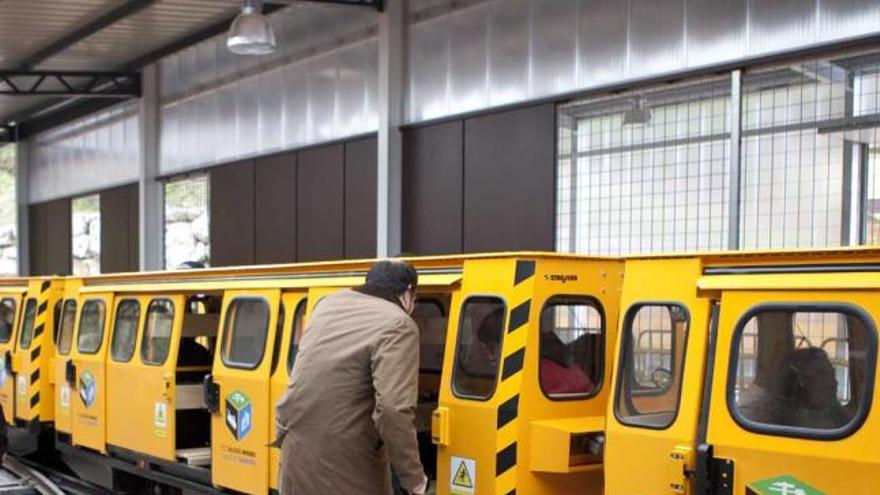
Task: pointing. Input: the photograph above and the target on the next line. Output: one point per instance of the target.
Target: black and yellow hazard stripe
(510, 384)
(41, 323)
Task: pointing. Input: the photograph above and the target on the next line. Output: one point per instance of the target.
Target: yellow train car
(34, 353)
(12, 292)
(542, 373)
(747, 373)
(179, 371)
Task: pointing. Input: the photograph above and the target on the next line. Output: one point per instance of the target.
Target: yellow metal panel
(429, 280)
(550, 450)
(799, 281)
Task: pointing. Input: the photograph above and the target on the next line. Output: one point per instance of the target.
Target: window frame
(14, 315)
(81, 310)
(144, 333)
(291, 355)
(69, 300)
(456, 356)
(445, 314)
(567, 300)
(800, 432)
(136, 331)
(624, 339)
(21, 333)
(227, 331)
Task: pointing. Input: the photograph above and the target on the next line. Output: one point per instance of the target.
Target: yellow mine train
(541, 373)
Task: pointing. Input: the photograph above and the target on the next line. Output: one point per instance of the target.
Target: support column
(150, 197)
(22, 194)
(735, 192)
(392, 39)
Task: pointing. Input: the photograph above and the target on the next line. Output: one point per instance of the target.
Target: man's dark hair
(394, 276)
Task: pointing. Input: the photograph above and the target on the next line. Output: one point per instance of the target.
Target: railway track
(23, 477)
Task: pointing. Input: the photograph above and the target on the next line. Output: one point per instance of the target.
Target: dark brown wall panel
(509, 187)
(38, 229)
(432, 189)
(275, 214)
(360, 198)
(232, 214)
(134, 238)
(58, 253)
(320, 203)
(117, 244)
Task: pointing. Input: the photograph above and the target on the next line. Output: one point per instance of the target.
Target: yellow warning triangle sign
(463, 477)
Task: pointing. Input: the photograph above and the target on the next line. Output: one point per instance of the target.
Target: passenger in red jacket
(558, 375)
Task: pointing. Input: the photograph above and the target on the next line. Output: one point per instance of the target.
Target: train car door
(63, 361)
(793, 385)
(10, 302)
(89, 373)
(36, 346)
(653, 414)
(240, 430)
(288, 333)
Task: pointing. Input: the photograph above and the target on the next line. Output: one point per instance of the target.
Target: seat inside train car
(431, 314)
(195, 355)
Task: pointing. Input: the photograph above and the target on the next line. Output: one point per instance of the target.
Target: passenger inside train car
(800, 369)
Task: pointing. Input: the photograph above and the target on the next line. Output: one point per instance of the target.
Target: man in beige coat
(351, 400)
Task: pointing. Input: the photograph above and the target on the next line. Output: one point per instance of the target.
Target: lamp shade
(250, 34)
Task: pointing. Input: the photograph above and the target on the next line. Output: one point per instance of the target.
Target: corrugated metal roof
(26, 26)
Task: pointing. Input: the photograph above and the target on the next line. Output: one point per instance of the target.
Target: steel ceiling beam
(126, 9)
(93, 84)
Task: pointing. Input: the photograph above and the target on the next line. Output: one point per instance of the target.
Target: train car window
(7, 319)
(279, 330)
(431, 320)
(244, 335)
(299, 317)
(157, 332)
(125, 327)
(478, 348)
(27, 324)
(57, 319)
(65, 330)
(91, 326)
(649, 378)
(802, 370)
(572, 346)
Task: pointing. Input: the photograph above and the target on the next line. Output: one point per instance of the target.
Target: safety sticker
(21, 385)
(462, 476)
(65, 396)
(781, 485)
(160, 418)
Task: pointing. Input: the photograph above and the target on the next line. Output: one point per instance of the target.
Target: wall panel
(58, 254)
(360, 198)
(275, 213)
(320, 206)
(432, 189)
(509, 187)
(119, 227)
(232, 214)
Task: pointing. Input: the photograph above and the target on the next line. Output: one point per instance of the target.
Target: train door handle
(211, 394)
(70, 373)
(166, 385)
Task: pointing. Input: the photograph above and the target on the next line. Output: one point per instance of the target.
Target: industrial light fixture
(250, 32)
(638, 113)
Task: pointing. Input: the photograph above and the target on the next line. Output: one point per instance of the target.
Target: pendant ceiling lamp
(250, 32)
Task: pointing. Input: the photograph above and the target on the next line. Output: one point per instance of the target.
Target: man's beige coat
(349, 406)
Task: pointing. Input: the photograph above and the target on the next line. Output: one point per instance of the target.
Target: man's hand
(422, 488)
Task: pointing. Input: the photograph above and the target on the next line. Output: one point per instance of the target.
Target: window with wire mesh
(645, 171)
(85, 231)
(187, 236)
(808, 152)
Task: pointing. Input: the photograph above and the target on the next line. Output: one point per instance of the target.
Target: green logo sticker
(238, 414)
(781, 485)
